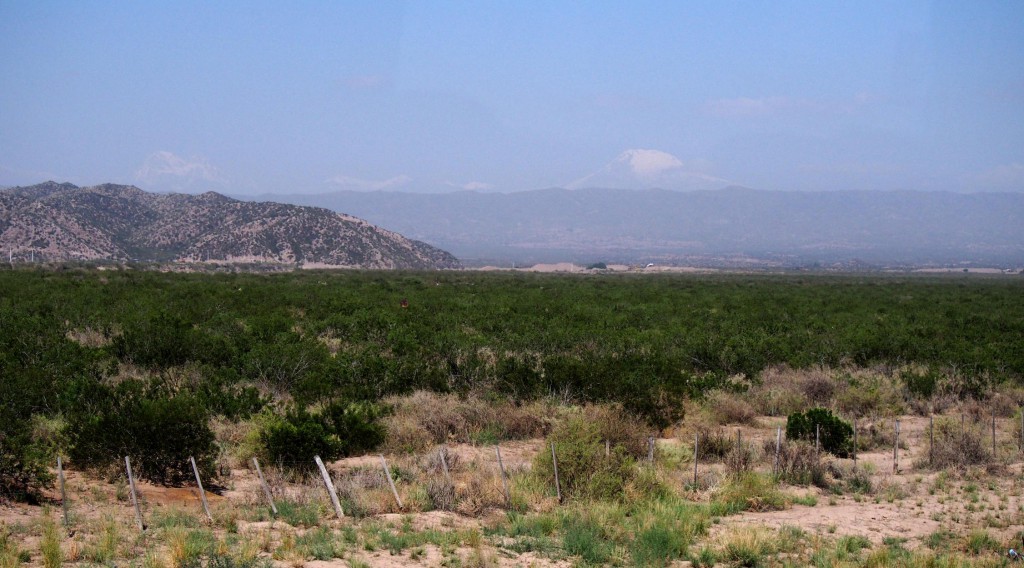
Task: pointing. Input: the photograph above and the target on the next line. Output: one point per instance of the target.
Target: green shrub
(584, 538)
(658, 545)
(24, 463)
(583, 468)
(340, 429)
(835, 434)
(293, 440)
(980, 542)
(923, 384)
(159, 432)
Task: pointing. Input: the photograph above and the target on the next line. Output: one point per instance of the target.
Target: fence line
(776, 464)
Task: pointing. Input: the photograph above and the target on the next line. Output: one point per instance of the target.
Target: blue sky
(305, 97)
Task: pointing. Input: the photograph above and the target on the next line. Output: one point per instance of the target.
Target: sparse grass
(105, 546)
(980, 542)
(10, 554)
(657, 519)
(583, 537)
(752, 546)
(171, 517)
(187, 546)
(319, 544)
(49, 544)
(298, 514)
(749, 492)
(808, 500)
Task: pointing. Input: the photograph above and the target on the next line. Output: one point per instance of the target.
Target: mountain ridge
(55, 221)
(905, 226)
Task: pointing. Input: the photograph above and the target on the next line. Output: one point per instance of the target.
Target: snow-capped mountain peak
(648, 169)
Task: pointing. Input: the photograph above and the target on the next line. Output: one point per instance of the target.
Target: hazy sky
(290, 97)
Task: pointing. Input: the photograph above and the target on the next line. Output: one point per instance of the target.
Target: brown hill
(53, 221)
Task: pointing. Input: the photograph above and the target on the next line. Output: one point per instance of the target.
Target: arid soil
(905, 506)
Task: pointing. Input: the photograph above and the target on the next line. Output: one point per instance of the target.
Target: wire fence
(964, 444)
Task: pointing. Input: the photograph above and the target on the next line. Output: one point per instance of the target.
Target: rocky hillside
(54, 221)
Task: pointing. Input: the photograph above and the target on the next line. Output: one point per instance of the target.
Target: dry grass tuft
(424, 419)
(479, 491)
(958, 445)
(799, 463)
(618, 427)
(730, 408)
(89, 337)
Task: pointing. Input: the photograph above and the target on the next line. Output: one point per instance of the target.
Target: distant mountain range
(648, 169)
(900, 227)
(55, 221)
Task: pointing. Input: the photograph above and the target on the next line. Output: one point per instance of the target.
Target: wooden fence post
(135, 498)
(896, 450)
(993, 434)
(504, 478)
(63, 493)
(650, 449)
(817, 441)
(778, 447)
(444, 465)
(855, 442)
(931, 440)
(330, 486)
(558, 482)
(266, 488)
(199, 484)
(391, 481)
(696, 443)
(963, 432)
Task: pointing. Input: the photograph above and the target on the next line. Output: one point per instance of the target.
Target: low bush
(714, 445)
(619, 428)
(957, 446)
(750, 492)
(870, 395)
(158, 431)
(584, 469)
(741, 459)
(799, 463)
(24, 463)
(779, 392)
(729, 408)
(880, 434)
(293, 440)
(339, 429)
(423, 419)
(921, 383)
(820, 388)
(835, 435)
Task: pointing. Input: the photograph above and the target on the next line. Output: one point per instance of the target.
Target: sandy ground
(907, 505)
